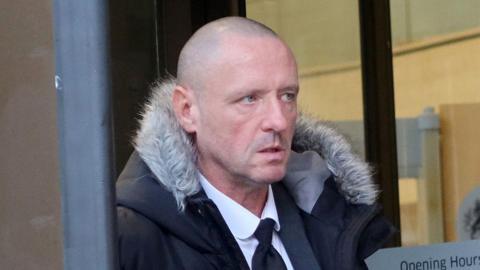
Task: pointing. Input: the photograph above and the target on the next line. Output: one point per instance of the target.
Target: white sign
(447, 256)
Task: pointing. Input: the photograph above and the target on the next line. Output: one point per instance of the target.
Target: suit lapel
(292, 231)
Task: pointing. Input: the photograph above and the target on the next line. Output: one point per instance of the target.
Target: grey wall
(414, 20)
(30, 223)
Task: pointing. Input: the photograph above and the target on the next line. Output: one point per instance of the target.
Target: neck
(252, 197)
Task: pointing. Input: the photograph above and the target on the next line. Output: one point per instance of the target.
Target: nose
(276, 116)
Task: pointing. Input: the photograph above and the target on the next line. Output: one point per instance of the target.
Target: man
(213, 183)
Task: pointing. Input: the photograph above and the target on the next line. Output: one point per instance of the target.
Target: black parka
(326, 202)
(154, 234)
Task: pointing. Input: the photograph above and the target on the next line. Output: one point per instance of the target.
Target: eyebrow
(259, 90)
(295, 88)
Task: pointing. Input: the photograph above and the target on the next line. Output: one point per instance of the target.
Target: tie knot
(264, 231)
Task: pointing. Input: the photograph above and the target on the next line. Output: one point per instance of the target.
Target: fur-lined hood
(170, 155)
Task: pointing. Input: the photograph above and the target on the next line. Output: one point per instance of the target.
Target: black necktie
(265, 256)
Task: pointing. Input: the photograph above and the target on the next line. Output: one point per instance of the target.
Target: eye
(248, 99)
(289, 96)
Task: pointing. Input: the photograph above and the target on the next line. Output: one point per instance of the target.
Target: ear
(183, 102)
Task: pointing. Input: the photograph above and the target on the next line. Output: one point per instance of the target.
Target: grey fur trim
(352, 174)
(168, 151)
(165, 147)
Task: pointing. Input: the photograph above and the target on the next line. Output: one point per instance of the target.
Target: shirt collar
(241, 222)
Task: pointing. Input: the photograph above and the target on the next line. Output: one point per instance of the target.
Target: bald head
(205, 46)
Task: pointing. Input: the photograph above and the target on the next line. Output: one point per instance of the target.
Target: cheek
(291, 117)
(219, 130)
(293, 123)
(240, 135)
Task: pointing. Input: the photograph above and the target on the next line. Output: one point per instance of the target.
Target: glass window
(436, 61)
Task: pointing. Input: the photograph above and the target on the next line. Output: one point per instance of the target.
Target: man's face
(247, 111)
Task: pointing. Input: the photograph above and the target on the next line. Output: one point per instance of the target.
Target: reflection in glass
(436, 48)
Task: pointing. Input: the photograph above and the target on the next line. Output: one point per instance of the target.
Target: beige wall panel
(30, 223)
(266, 11)
(431, 77)
(319, 32)
(441, 75)
(335, 96)
(408, 191)
(400, 25)
(460, 133)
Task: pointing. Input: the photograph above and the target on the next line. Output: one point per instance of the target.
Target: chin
(272, 176)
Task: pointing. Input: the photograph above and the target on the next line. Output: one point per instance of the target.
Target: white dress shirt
(243, 223)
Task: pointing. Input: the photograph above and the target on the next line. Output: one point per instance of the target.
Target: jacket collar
(139, 190)
(292, 233)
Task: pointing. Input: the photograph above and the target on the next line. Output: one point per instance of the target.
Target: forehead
(239, 47)
(237, 55)
(263, 62)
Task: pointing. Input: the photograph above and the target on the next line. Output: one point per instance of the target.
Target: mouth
(272, 149)
(276, 152)
(273, 155)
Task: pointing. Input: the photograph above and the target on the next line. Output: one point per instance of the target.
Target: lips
(271, 149)
(273, 153)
